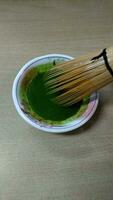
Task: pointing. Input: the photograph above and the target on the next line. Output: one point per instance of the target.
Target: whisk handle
(110, 56)
(107, 55)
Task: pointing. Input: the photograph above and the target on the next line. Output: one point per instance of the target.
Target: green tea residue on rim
(37, 104)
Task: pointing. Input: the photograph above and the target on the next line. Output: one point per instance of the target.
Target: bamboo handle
(82, 76)
(107, 58)
(110, 56)
(104, 57)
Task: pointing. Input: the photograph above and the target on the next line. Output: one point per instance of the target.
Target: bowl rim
(49, 128)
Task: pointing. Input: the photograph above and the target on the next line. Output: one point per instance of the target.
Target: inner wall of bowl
(30, 69)
(47, 127)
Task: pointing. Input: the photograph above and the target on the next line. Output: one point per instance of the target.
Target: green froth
(39, 105)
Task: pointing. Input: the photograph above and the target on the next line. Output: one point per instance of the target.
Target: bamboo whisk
(75, 79)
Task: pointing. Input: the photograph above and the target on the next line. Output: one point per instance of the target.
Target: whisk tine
(80, 92)
(60, 76)
(74, 100)
(67, 67)
(73, 80)
(72, 76)
(62, 86)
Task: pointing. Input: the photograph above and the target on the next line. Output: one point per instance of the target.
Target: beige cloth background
(42, 166)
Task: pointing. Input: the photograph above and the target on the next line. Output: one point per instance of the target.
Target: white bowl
(76, 123)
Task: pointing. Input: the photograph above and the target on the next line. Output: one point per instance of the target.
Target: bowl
(82, 116)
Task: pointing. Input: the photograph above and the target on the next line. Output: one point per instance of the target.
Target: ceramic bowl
(75, 123)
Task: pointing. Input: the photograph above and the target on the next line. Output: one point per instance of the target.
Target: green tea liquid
(41, 103)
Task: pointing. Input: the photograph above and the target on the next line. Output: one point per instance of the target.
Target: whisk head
(71, 81)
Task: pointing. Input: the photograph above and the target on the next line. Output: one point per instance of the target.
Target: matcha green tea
(40, 105)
